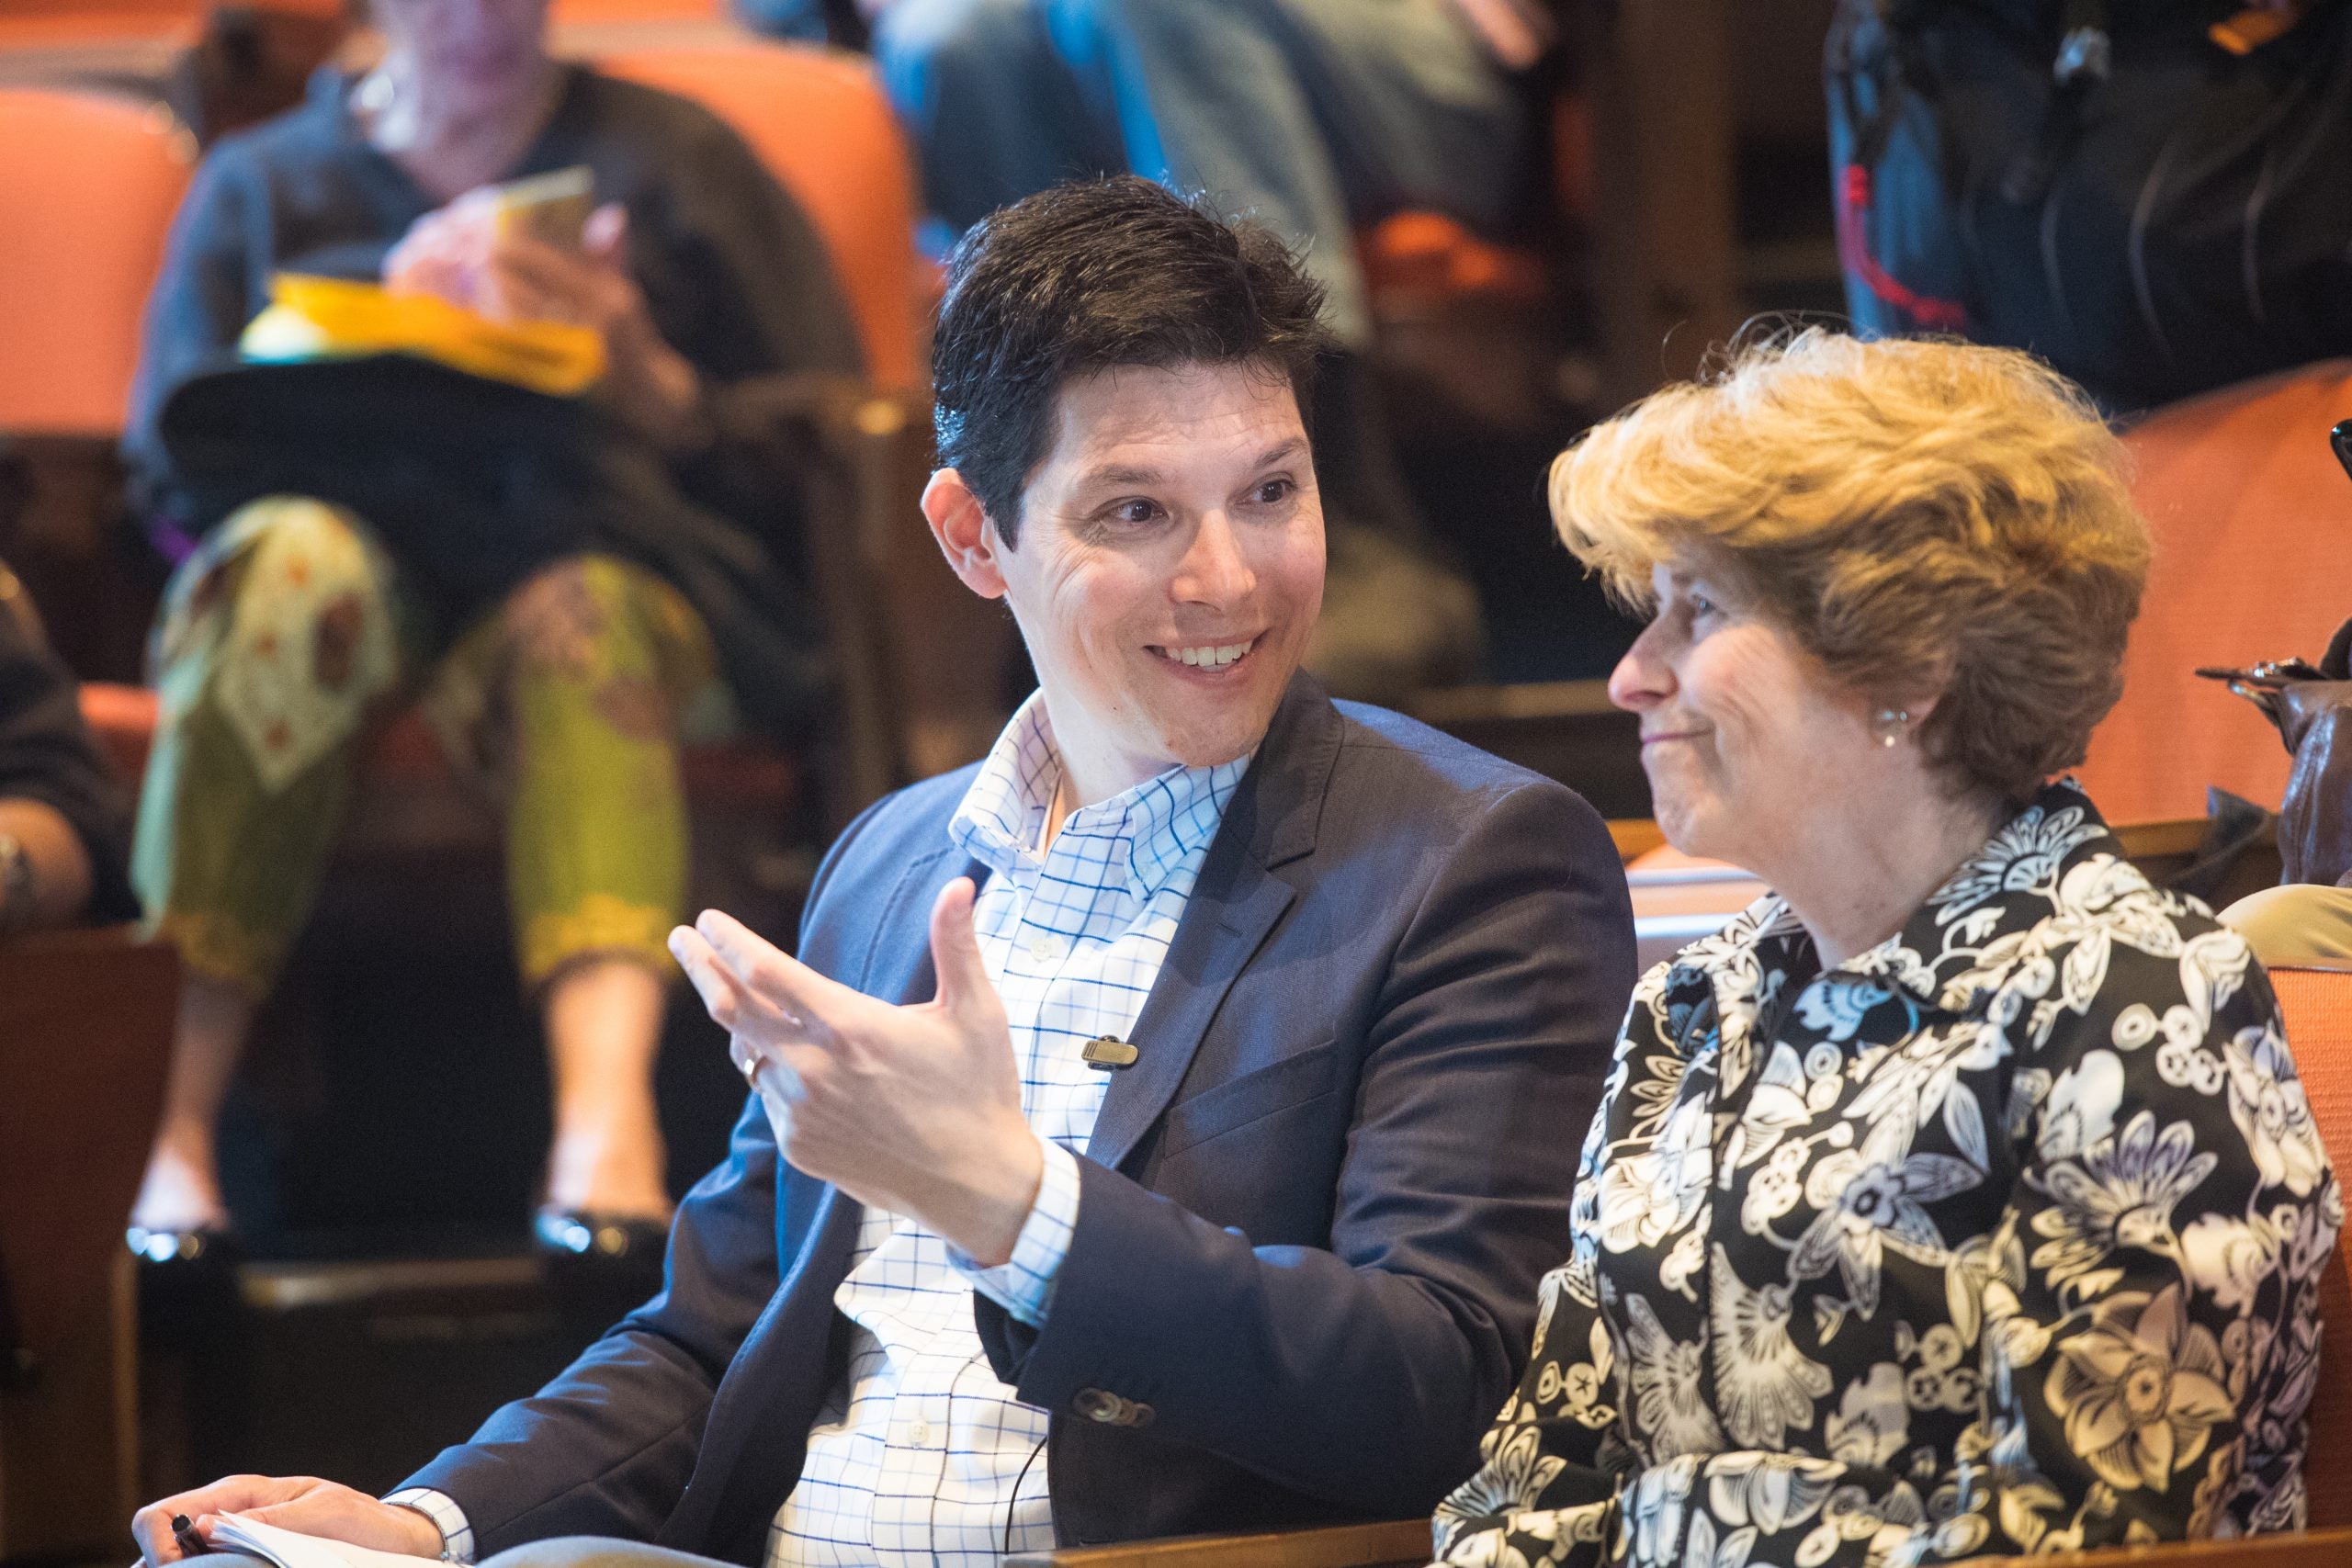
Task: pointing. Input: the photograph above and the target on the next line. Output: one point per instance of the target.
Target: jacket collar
(1144, 832)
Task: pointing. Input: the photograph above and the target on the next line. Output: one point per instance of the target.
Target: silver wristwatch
(16, 885)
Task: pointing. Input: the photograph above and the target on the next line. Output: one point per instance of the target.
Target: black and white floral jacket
(2003, 1237)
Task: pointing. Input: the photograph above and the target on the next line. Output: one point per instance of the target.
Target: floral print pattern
(290, 631)
(2004, 1236)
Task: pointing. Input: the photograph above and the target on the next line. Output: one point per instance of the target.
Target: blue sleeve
(205, 292)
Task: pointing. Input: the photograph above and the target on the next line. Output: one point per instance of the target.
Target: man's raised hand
(913, 1109)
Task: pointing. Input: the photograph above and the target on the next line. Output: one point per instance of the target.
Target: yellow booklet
(329, 317)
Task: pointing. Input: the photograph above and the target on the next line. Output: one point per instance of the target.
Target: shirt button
(1041, 948)
(920, 1434)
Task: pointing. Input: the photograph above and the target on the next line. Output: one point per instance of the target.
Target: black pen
(184, 1536)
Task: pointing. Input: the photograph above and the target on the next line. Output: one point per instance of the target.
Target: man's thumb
(955, 945)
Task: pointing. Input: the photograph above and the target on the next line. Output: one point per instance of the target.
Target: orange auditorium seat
(88, 184)
(595, 13)
(820, 123)
(2253, 521)
(41, 25)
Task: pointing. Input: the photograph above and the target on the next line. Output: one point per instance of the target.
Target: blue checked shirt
(921, 1456)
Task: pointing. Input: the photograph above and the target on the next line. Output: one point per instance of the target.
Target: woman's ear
(960, 523)
(1922, 697)
(1913, 700)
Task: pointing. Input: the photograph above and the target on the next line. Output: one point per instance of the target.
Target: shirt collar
(1939, 957)
(1161, 822)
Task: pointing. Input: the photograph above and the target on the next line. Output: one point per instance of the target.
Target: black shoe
(204, 1245)
(632, 1241)
(188, 1284)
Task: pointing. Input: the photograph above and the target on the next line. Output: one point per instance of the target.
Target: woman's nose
(1643, 679)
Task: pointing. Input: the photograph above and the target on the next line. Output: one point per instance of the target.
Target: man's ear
(960, 523)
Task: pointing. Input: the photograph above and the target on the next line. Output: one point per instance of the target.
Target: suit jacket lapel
(898, 968)
(1271, 819)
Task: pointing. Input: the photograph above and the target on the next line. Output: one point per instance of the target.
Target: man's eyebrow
(1133, 474)
(1120, 474)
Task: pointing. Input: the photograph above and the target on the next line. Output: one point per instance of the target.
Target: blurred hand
(303, 1504)
(457, 254)
(649, 383)
(916, 1110)
(446, 252)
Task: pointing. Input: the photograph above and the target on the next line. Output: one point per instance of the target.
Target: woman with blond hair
(1958, 1198)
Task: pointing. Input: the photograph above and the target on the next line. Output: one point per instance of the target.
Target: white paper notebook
(234, 1532)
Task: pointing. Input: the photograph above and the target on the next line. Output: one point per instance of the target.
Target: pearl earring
(1893, 725)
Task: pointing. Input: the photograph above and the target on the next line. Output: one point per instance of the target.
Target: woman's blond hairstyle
(1925, 518)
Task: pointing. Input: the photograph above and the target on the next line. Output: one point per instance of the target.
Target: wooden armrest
(1407, 1541)
(2315, 1549)
(1401, 1541)
(122, 939)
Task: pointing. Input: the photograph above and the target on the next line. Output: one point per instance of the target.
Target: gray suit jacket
(1312, 1216)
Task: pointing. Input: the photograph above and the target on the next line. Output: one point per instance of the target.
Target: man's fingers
(339, 1513)
(306, 1515)
(955, 945)
(773, 976)
(722, 995)
(150, 1527)
(783, 1070)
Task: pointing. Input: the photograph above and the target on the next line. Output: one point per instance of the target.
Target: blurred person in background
(567, 612)
(1312, 117)
(65, 827)
(2157, 199)
(1959, 1198)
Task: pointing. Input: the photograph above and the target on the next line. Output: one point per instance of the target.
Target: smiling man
(1196, 1171)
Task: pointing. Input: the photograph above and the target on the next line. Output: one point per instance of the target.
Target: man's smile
(1209, 657)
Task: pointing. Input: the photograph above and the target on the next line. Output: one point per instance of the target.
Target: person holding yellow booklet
(570, 570)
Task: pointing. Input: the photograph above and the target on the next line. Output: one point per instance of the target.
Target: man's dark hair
(1088, 276)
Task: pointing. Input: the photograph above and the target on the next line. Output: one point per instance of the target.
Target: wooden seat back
(85, 1027)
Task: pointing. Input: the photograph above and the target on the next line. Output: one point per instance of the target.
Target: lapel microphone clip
(1108, 1053)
